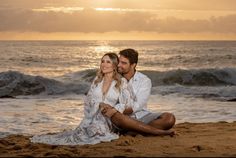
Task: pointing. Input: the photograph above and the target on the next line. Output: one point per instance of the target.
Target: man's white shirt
(140, 89)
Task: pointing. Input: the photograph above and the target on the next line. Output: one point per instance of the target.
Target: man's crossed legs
(159, 126)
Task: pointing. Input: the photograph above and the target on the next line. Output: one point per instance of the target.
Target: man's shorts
(145, 119)
(149, 117)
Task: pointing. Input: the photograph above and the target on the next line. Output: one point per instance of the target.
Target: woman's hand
(103, 107)
(107, 110)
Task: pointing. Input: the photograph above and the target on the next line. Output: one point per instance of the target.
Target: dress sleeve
(124, 97)
(89, 102)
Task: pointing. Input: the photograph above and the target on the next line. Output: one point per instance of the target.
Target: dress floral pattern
(94, 128)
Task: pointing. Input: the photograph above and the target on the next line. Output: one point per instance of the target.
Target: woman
(108, 87)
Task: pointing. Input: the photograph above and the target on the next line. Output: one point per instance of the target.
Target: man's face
(124, 65)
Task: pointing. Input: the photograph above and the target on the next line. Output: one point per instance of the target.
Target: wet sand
(193, 140)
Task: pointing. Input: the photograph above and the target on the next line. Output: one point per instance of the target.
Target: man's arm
(142, 95)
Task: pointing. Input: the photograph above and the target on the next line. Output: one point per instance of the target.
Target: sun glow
(125, 10)
(59, 9)
(107, 9)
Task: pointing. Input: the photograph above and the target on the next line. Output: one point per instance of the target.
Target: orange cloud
(90, 20)
(164, 18)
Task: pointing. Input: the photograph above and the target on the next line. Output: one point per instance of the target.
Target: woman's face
(106, 65)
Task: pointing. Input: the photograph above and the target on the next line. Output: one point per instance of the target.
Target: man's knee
(169, 120)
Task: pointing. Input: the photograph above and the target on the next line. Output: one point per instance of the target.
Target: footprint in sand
(126, 141)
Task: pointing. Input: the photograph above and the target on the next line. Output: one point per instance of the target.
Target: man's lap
(145, 119)
(149, 117)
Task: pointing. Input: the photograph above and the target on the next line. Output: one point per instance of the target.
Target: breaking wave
(14, 83)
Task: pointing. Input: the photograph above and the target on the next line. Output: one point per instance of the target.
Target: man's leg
(129, 123)
(165, 121)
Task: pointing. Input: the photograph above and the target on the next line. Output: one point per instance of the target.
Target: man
(140, 89)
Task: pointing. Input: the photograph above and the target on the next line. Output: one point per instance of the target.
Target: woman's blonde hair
(116, 76)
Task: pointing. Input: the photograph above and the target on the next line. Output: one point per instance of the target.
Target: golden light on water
(103, 49)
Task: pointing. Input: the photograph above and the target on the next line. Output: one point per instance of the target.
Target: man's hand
(128, 111)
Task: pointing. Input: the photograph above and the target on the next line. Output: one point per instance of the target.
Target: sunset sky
(118, 19)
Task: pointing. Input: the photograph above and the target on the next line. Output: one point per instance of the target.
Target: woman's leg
(129, 123)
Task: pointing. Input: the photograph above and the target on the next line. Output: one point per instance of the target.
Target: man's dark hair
(130, 54)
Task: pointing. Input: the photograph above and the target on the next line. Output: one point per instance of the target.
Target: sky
(117, 19)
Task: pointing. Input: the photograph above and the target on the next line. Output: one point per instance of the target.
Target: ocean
(43, 83)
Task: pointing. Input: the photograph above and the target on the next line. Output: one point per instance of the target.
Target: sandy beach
(193, 140)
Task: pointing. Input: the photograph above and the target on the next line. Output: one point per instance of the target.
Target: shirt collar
(135, 77)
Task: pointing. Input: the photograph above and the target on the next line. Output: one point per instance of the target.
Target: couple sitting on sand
(116, 103)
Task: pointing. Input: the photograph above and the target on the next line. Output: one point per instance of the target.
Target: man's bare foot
(165, 132)
(171, 133)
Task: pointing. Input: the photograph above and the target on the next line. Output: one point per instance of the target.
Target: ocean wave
(220, 93)
(216, 84)
(13, 83)
(191, 77)
(80, 76)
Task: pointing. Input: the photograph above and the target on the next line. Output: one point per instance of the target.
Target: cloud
(67, 19)
(132, 4)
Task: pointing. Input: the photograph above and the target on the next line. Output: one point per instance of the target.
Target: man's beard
(123, 72)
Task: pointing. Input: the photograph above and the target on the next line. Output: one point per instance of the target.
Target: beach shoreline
(192, 140)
